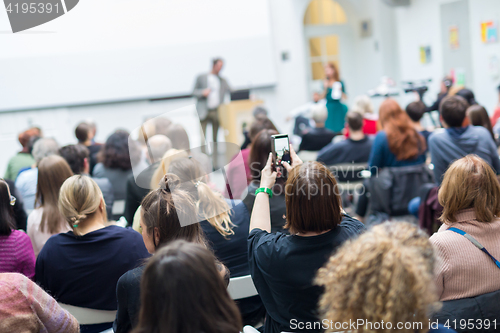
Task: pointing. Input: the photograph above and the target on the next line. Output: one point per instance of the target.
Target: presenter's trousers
(212, 118)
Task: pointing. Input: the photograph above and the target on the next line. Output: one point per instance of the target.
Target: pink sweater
(463, 270)
(26, 308)
(16, 254)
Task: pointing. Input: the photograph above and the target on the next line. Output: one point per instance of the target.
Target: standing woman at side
(334, 94)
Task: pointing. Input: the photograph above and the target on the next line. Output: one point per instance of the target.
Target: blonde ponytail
(212, 207)
(79, 199)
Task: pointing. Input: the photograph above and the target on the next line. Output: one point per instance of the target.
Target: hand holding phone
(280, 145)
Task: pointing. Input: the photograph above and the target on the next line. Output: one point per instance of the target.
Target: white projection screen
(117, 50)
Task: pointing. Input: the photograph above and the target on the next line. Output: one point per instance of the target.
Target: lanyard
(476, 243)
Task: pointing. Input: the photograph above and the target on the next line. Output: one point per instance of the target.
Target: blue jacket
(448, 145)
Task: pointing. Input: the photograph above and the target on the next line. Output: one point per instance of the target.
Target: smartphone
(280, 145)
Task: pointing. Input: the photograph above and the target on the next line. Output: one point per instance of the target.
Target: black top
(277, 205)
(346, 151)
(83, 270)
(135, 193)
(94, 149)
(316, 139)
(18, 208)
(128, 293)
(283, 268)
(232, 250)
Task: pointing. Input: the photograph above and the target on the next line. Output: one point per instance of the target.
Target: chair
(241, 287)
(86, 316)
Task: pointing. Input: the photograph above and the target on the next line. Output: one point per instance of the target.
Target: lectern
(232, 116)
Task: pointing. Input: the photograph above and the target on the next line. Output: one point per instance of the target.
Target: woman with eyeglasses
(17, 254)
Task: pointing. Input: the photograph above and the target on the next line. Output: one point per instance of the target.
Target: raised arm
(261, 216)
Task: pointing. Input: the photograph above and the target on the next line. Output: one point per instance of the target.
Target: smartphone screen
(281, 149)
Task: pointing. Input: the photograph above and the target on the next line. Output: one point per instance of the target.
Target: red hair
(404, 140)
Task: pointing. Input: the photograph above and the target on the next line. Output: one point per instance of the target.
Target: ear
(442, 121)
(102, 205)
(156, 235)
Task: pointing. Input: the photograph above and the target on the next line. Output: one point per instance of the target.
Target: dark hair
(415, 110)
(216, 60)
(258, 125)
(259, 153)
(178, 136)
(31, 143)
(453, 109)
(312, 199)
(165, 208)
(53, 170)
(82, 132)
(478, 116)
(115, 152)
(75, 155)
(354, 120)
(183, 292)
(7, 221)
(468, 95)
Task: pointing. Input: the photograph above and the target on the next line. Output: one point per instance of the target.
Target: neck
(214, 73)
(320, 125)
(91, 224)
(312, 233)
(88, 143)
(418, 126)
(356, 135)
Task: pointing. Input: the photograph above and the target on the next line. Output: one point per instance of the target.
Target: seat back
(86, 316)
(393, 188)
(241, 287)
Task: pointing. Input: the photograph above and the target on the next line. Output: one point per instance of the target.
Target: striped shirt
(16, 254)
(26, 308)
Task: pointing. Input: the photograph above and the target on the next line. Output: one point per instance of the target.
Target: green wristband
(264, 189)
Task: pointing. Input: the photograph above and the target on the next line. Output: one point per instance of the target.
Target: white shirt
(213, 99)
(337, 90)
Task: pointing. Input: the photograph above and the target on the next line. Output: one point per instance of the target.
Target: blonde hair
(362, 104)
(79, 199)
(470, 183)
(210, 205)
(385, 274)
(161, 171)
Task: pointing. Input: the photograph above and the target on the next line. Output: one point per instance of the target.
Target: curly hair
(384, 275)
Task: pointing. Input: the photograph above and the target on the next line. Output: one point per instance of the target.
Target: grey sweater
(448, 145)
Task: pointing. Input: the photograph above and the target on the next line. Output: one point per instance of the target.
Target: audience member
(23, 159)
(162, 169)
(384, 276)
(26, 182)
(15, 246)
(259, 114)
(46, 220)
(225, 225)
(180, 140)
(116, 161)
(181, 292)
(468, 95)
(398, 144)
(283, 266)
(496, 113)
(355, 149)
(85, 133)
(161, 125)
(138, 187)
(19, 213)
(468, 239)
(82, 266)
(456, 141)
(164, 213)
(415, 111)
(25, 307)
(446, 85)
(319, 136)
(261, 147)
(363, 105)
(234, 172)
(77, 157)
(478, 116)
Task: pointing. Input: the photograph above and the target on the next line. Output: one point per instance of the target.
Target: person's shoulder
(131, 277)
(262, 237)
(26, 176)
(479, 130)
(102, 182)
(20, 236)
(351, 224)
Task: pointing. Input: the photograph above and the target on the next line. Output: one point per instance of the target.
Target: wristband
(264, 189)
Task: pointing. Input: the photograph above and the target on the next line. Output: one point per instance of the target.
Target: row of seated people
(328, 266)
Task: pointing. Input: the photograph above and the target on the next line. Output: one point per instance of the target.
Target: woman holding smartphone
(283, 266)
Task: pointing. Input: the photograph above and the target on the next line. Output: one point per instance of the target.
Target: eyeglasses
(12, 200)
